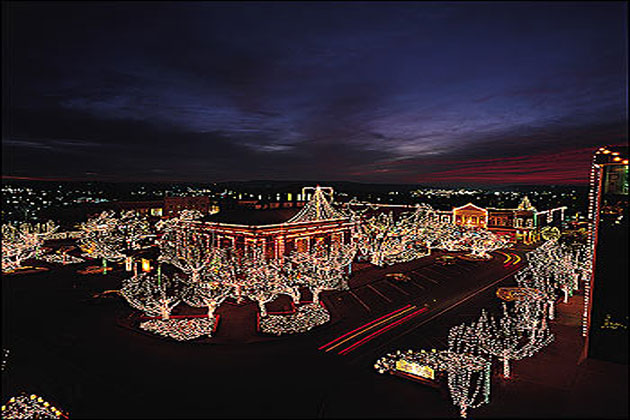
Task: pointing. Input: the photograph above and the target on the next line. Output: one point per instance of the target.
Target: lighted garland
(318, 208)
(31, 407)
(304, 319)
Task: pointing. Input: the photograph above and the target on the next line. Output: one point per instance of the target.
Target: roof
(470, 207)
(317, 209)
(252, 217)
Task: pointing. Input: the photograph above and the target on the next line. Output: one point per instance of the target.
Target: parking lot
(395, 288)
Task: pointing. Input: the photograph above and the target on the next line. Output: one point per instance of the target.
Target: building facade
(521, 224)
(280, 231)
(605, 316)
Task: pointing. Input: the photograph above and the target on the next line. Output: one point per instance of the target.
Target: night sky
(453, 93)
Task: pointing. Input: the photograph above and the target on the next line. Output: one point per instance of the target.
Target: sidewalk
(552, 384)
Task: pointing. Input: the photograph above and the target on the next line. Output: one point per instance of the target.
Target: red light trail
(364, 326)
(381, 331)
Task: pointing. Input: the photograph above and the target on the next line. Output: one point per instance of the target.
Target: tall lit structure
(605, 316)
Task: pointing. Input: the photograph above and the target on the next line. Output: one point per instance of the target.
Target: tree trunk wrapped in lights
(205, 293)
(265, 279)
(155, 296)
(294, 281)
(20, 243)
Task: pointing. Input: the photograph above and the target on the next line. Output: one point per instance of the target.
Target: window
(301, 244)
(336, 239)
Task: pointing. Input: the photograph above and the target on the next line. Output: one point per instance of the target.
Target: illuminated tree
(228, 268)
(23, 242)
(386, 240)
(468, 376)
(264, 280)
(318, 208)
(463, 338)
(480, 242)
(428, 228)
(185, 245)
(451, 237)
(566, 264)
(541, 272)
(114, 238)
(323, 269)
(206, 293)
(154, 295)
(293, 281)
(531, 315)
(505, 339)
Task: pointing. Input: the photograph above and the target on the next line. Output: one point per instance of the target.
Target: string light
(23, 242)
(5, 358)
(61, 259)
(112, 238)
(316, 209)
(386, 240)
(504, 338)
(305, 318)
(185, 246)
(153, 295)
(468, 376)
(265, 279)
(181, 329)
(322, 269)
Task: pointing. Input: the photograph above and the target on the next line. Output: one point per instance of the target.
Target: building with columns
(281, 231)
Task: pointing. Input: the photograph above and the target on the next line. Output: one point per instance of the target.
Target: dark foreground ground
(84, 355)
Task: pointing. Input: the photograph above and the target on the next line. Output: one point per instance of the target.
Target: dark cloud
(388, 92)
